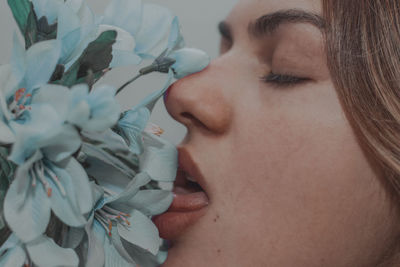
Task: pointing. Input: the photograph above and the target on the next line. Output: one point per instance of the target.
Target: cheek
(292, 133)
(298, 165)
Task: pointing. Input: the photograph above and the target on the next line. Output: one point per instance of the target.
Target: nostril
(193, 120)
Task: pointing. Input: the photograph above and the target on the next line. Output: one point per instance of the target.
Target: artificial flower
(39, 187)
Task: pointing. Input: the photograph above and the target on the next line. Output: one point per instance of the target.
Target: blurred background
(199, 20)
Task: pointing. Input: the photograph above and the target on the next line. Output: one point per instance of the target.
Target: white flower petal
(45, 253)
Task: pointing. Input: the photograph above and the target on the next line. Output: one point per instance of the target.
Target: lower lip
(185, 210)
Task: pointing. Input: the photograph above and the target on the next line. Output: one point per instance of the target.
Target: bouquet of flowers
(79, 179)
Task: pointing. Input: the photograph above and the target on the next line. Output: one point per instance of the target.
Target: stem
(128, 83)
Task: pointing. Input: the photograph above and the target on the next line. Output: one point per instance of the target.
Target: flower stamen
(56, 180)
(33, 175)
(18, 105)
(154, 129)
(40, 174)
(107, 215)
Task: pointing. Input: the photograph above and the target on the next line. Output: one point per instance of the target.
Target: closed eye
(283, 80)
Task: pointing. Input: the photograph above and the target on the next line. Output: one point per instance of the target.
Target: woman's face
(288, 183)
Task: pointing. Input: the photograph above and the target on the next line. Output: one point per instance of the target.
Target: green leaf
(31, 31)
(95, 58)
(21, 10)
(45, 31)
(24, 15)
(6, 172)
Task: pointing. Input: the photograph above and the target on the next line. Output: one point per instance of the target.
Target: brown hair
(363, 48)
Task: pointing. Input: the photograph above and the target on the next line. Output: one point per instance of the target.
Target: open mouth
(190, 200)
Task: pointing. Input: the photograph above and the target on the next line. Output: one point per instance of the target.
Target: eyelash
(282, 80)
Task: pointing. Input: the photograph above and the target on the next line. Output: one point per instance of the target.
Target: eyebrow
(267, 24)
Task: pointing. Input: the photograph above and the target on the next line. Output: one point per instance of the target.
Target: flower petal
(116, 240)
(69, 44)
(105, 109)
(126, 14)
(6, 135)
(73, 238)
(98, 154)
(142, 232)
(124, 58)
(27, 214)
(154, 28)
(124, 40)
(188, 61)
(113, 258)
(45, 253)
(68, 31)
(130, 189)
(75, 5)
(41, 60)
(48, 9)
(96, 239)
(77, 186)
(175, 39)
(12, 241)
(108, 176)
(44, 124)
(63, 206)
(67, 22)
(160, 161)
(18, 59)
(55, 95)
(151, 202)
(131, 126)
(14, 257)
(144, 257)
(62, 145)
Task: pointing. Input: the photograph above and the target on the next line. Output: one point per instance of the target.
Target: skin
(288, 182)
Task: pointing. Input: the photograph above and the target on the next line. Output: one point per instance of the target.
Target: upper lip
(189, 166)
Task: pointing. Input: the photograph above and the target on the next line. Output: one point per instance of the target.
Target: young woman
(294, 138)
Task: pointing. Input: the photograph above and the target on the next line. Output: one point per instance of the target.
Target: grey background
(199, 20)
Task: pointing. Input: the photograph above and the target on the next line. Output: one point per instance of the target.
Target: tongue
(186, 201)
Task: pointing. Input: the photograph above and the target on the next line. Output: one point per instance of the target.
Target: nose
(201, 100)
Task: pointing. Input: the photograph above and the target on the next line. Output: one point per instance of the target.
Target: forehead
(247, 11)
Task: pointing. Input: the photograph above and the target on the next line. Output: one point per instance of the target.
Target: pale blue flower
(182, 61)
(28, 71)
(120, 224)
(187, 60)
(42, 252)
(40, 186)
